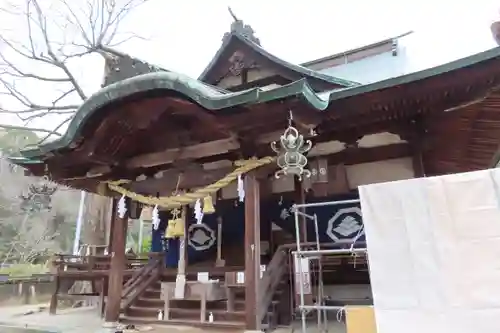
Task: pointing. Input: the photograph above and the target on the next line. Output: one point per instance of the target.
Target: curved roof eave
(306, 72)
(206, 96)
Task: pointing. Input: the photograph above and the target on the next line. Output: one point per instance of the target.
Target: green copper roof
(214, 99)
(207, 96)
(306, 72)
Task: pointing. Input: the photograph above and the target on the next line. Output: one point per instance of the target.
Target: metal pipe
(314, 253)
(322, 307)
(301, 277)
(320, 272)
(310, 217)
(141, 235)
(326, 203)
(298, 255)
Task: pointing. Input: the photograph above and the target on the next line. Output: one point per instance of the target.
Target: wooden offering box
(195, 291)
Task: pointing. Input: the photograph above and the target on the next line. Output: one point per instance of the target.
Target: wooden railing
(141, 281)
(138, 275)
(97, 262)
(271, 279)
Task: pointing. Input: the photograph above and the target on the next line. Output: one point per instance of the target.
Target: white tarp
(434, 253)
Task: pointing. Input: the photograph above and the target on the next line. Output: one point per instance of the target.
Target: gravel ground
(80, 320)
(86, 320)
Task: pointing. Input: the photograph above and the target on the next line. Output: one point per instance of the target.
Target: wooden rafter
(196, 177)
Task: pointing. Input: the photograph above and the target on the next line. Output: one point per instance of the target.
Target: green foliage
(146, 245)
(18, 270)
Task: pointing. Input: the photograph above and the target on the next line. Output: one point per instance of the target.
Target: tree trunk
(97, 216)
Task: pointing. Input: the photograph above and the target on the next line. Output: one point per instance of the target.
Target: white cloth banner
(434, 253)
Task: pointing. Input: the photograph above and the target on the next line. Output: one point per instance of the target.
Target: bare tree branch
(43, 50)
(37, 69)
(40, 130)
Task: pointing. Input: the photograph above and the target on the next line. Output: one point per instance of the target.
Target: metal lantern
(38, 197)
(291, 150)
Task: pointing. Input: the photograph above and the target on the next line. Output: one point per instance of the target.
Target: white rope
(351, 249)
(341, 314)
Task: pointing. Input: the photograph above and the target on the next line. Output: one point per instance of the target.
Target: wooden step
(156, 303)
(156, 293)
(223, 325)
(189, 314)
(152, 293)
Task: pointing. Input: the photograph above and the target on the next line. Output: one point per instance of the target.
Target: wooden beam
(192, 152)
(252, 251)
(118, 261)
(199, 177)
(211, 148)
(366, 155)
(225, 146)
(188, 179)
(205, 117)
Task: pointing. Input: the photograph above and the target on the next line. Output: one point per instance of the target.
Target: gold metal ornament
(208, 206)
(175, 227)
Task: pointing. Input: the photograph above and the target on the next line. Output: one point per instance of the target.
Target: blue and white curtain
(335, 222)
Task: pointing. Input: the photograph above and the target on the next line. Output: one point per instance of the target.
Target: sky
(184, 35)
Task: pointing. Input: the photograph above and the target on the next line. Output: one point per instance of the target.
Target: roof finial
(495, 29)
(232, 14)
(239, 28)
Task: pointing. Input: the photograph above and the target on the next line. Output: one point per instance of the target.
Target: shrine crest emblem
(201, 237)
(345, 224)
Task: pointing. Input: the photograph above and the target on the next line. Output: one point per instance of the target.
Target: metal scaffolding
(319, 305)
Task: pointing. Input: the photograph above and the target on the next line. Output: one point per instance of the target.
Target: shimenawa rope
(188, 198)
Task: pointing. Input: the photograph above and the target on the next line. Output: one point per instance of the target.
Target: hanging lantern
(208, 206)
(292, 147)
(175, 227)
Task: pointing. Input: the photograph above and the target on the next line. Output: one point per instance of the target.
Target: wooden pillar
(418, 164)
(252, 251)
(417, 147)
(117, 251)
(300, 198)
(112, 224)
